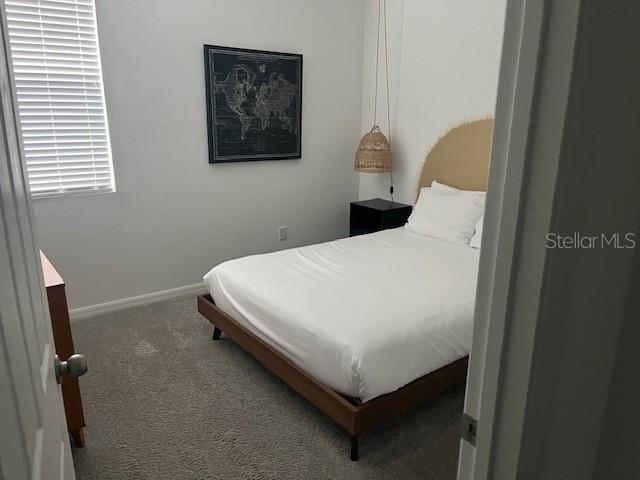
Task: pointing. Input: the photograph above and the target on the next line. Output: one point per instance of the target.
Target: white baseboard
(146, 299)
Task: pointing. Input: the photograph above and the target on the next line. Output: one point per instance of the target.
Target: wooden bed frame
(350, 414)
(460, 159)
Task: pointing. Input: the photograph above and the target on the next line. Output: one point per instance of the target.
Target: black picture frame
(232, 135)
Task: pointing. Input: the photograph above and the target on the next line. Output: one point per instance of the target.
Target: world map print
(253, 104)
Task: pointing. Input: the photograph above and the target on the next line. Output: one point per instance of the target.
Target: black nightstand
(377, 214)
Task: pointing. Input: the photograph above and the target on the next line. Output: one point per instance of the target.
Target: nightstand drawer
(355, 231)
(377, 214)
(366, 218)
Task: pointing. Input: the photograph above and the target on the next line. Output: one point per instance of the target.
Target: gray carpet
(162, 401)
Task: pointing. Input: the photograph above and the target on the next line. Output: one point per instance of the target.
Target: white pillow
(448, 188)
(450, 217)
(477, 237)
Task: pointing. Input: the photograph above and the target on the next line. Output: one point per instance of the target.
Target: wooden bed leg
(354, 448)
(216, 333)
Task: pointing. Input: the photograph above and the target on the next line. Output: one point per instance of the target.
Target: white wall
(444, 58)
(174, 215)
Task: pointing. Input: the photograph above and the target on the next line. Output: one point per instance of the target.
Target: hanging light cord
(375, 98)
(382, 5)
(386, 61)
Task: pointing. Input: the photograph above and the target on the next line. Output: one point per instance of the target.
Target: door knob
(75, 366)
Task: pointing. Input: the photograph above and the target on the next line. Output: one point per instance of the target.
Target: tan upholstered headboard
(460, 158)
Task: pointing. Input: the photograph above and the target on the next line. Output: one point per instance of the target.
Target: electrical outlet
(282, 233)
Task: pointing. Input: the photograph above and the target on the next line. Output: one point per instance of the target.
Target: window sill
(71, 193)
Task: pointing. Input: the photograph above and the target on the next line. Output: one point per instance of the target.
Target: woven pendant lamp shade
(374, 153)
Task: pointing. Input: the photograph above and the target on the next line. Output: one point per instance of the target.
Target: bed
(364, 327)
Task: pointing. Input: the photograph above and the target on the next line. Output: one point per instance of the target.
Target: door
(34, 443)
(531, 107)
(552, 376)
(520, 62)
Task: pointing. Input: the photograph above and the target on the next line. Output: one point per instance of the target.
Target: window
(56, 64)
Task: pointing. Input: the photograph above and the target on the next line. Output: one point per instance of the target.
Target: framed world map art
(254, 104)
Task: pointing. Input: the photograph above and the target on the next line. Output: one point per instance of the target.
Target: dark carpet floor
(162, 401)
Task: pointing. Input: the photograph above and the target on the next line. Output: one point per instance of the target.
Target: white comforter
(364, 315)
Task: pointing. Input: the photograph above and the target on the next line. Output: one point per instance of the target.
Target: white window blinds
(56, 64)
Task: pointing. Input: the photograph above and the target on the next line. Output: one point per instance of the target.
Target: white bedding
(365, 315)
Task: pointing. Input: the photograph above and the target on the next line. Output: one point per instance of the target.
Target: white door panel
(34, 443)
